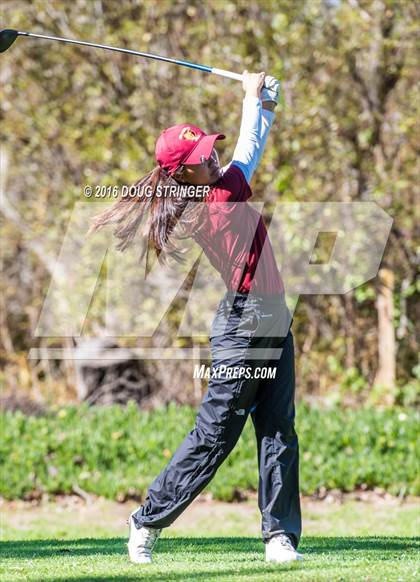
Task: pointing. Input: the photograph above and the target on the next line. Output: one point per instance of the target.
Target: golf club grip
(228, 74)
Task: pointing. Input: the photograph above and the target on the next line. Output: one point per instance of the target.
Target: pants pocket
(244, 320)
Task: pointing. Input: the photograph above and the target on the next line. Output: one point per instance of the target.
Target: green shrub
(117, 451)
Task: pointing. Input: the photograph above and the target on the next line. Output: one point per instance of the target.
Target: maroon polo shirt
(234, 238)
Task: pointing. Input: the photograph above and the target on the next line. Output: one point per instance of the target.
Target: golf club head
(7, 38)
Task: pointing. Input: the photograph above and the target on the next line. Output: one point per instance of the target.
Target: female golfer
(251, 327)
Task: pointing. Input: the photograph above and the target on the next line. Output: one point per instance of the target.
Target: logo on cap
(190, 134)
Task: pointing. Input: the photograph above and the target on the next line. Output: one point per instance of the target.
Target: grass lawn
(73, 541)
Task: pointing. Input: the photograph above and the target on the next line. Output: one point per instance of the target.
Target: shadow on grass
(114, 546)
(143, 573)
(239, 554)
(30, 549)
(323, 545)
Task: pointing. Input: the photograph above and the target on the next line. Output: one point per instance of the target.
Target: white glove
(271, 89)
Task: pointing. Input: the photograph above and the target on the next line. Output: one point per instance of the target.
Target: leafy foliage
(116, 452)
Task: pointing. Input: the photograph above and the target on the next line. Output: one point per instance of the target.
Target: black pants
(248, 332)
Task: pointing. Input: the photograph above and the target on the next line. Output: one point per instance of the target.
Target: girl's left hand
(271, 89)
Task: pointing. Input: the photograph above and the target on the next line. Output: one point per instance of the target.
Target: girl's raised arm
(257, 119)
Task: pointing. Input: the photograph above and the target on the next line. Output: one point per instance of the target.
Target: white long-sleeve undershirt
(255, 127)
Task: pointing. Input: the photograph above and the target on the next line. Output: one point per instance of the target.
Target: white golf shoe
(280, 549)
(141, 542)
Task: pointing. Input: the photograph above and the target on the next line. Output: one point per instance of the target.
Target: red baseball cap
(183, 144)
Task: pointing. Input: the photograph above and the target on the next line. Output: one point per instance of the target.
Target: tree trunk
(385, 375)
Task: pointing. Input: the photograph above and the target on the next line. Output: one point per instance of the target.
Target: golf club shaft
(215, 71)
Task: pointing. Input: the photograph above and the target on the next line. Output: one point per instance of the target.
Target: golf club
(8, 37)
